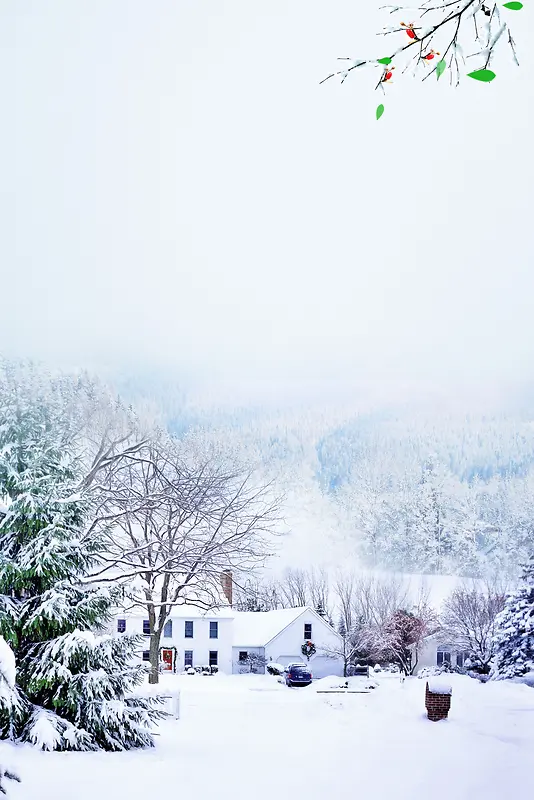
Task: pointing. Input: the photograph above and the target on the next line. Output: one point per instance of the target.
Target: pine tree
(514, 639)
(73, 684)
(8, 701)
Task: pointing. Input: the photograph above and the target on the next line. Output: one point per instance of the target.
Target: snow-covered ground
(246, 736)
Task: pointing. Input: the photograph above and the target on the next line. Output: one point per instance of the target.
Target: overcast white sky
(178, 190)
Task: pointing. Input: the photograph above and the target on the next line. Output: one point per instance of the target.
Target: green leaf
(441, 67)
(514, 6)
(485, 75)
(385, 61)
(379, 111)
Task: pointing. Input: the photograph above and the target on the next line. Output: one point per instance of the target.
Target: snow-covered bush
(74, 686)
(430, 672)
(254, 662)
(443, 669)
(191, 671)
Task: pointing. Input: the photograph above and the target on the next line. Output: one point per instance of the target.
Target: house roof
(258, 628)
(181, 612)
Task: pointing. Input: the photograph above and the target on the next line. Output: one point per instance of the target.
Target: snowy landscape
(266, 400)
(133, 570)
(243, 735)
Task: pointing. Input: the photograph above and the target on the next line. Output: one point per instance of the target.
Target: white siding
(286, 647)
(200, 644)
(283, 648)
(428, 654)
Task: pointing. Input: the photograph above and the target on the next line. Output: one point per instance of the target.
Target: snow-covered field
(250, 737)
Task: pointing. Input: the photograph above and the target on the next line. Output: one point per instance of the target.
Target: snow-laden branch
(440, 24)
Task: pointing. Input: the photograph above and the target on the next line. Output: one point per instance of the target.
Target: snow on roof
(181, 611)
(257, 628)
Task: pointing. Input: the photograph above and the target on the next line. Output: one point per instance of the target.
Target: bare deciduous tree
(469, 617)
(376, 599)
(319, 591)
(379, 620)
(344, 590)
(294, 588)
(172, 530)
(354, 647)
(257, 594)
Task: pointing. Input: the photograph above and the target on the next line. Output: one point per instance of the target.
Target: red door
(167, 660)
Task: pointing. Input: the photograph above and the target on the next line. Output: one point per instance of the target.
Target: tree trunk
(153, 675)
(413, 665)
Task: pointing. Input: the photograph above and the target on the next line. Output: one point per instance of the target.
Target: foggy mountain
(396, 487)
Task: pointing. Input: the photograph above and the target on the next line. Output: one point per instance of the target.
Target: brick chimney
(227, 586)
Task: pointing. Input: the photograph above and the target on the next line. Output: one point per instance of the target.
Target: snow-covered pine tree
(8, 702)
(514, 639)
(73, 685)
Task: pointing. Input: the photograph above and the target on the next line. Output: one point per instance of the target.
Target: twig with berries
(449, 13)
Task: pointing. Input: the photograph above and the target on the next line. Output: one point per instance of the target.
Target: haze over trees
(440, 493)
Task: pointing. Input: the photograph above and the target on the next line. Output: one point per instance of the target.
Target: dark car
(298, 675)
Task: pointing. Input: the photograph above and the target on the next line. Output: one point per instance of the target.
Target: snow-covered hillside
(386, 488)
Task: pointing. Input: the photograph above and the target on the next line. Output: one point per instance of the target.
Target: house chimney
(227, 586)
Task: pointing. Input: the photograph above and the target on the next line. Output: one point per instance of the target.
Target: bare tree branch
(171, 529)
(447, 21)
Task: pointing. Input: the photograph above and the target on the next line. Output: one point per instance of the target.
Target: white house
(278, 636)
(191, 637)
(435, 651)
(225, 638)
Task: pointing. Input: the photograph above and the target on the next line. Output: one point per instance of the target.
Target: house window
(188, 630)
(443, 657)
(461, 658)
(214, 658)
(121, 625)
(146, 627)
(167, 630)
(214, 630)
(307, 632)
(243, 655)
(188, 658)
(146, 655)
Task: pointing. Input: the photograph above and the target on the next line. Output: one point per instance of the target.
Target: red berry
(430, 56)
(388, 75)
(411, 34)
